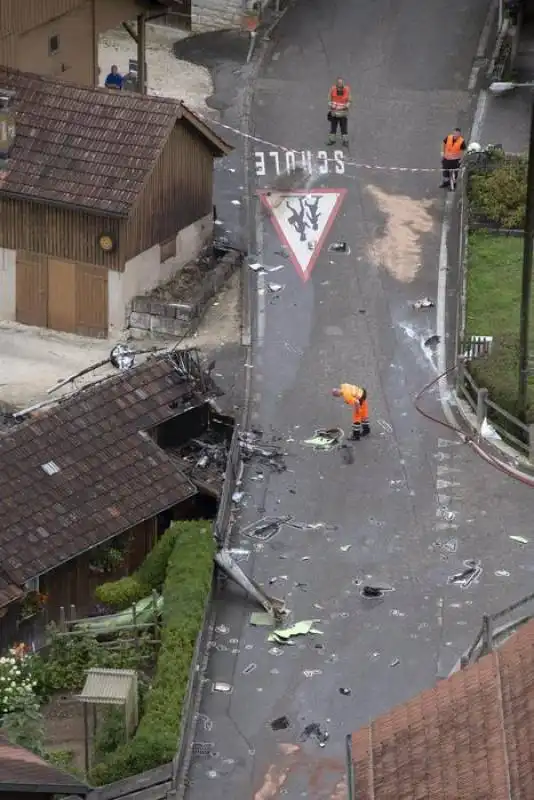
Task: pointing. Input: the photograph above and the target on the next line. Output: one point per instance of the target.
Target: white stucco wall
(145, 271)
(8, 284)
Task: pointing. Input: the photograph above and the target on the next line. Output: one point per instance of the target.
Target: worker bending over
(356, 397)
(452, 150)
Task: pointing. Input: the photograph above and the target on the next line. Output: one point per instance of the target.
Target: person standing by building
(453, 148)
(339, 101)
(114, 79)
(356, 397)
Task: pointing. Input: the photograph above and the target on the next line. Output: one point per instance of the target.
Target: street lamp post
(528, 253)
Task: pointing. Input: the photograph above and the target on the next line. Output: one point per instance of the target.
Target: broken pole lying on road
(272, 605)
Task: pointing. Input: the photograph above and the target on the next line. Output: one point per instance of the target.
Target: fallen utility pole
(272, 605)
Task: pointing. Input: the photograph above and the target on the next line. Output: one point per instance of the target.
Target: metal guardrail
(490, 635)
(182, 759)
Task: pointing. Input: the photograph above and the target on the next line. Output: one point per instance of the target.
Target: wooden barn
(103, 195)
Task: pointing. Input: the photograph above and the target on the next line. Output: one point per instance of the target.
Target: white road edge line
(441, 301)
(260, 283)
(482, 44)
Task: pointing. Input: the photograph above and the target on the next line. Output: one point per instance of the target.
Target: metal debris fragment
(239, 554)
(502, 573)
(425, 302)
(284, 635)
(325, 439)
(395, 662)
(471, 573)
(222, 629)
(520, 539)
(345, 691)
(275, 287)
(261, 619)
(375, 591)
(220, 686)
(280, 723)
(314, 730)
(339, 247)
(433, 341)
(265, 528)
(345, 548)
(256, 267)
(237, 497)
(275, 651)
(276, 269)
(122, 357)
(249, 668)
(309, 673)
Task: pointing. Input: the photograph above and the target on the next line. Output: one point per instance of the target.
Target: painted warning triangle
(302, 220)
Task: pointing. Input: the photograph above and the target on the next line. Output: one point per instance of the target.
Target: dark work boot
(366, 430)
(356, 433)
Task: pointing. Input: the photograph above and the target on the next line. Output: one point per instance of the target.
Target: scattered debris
(375, 591)
(261, 619)
(122, 357)
(520, 539)
(222, 629)
(450, 546)
(309, 673)
(219, 686)
(280, 724)
(265, 528)
(502, 573)
(325, 439)
(302, 586)
(433, 341)
(339, 247)
(345, 548)
(276, 269)
(314, 730)
(256, 267)
(249, 668)
(395, 662)
(425, 302)
(471, 573)
(274, 606)
(275, 287)
(237, 497)
(236, 202)
(275, 651)
(239, 554)
(283, 635)
(489, 432)
(344, 691)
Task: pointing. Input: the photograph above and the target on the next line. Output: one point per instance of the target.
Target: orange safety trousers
(360, 412)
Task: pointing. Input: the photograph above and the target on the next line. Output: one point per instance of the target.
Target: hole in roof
(51, 468)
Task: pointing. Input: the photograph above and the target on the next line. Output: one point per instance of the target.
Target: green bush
(498, 197)
(186, 588)
(150, 575)
(111, 734)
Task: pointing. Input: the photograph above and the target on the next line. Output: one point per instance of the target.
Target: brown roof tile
(88, 147)
(21, 770)
(107, 482)
(469, 738)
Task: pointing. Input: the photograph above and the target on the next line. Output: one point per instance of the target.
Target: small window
(53, 45)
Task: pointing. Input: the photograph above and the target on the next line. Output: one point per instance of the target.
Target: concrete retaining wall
(148, 315)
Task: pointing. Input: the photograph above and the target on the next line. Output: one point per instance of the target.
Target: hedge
(185, 592)
(497, 196)
(150, 575)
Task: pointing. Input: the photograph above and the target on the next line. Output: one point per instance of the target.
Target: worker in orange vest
(451, 157)
(339, 101)
(356, 397)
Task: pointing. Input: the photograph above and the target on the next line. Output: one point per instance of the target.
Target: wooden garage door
(91, 301)
(32, 289)
(61, 295)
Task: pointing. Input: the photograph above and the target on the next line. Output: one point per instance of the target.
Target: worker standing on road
(339, 101)
(356, 397)
(452, 150)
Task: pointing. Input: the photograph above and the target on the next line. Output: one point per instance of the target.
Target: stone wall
(151, 316)
(210, 15)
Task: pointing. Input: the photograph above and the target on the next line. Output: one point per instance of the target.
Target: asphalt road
(412, 482)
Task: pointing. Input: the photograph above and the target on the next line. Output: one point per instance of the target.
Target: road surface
(412, 483)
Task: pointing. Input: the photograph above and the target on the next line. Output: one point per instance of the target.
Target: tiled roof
(469, 738)
(21, 770)
(91, 148)
(107, 475)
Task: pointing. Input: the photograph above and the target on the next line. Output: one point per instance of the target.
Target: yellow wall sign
(106, 242)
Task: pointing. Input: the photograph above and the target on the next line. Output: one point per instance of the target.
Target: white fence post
(482, 396)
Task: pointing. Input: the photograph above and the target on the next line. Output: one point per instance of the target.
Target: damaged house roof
(469, 738)
(91, 148)
(86, 470)
(23, 771)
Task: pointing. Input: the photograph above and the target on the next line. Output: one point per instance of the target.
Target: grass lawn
(493, 284)
(493, 304)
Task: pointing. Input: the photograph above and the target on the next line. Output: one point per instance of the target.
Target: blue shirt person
(114, 79)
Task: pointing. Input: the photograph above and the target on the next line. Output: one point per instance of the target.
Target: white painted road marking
(302, 220)
(282, 161)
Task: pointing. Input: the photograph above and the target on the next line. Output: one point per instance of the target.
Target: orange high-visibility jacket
(351, 394)
(453, 147)
(340, 101)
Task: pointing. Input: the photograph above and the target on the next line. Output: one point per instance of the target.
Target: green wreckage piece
(283, 635)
